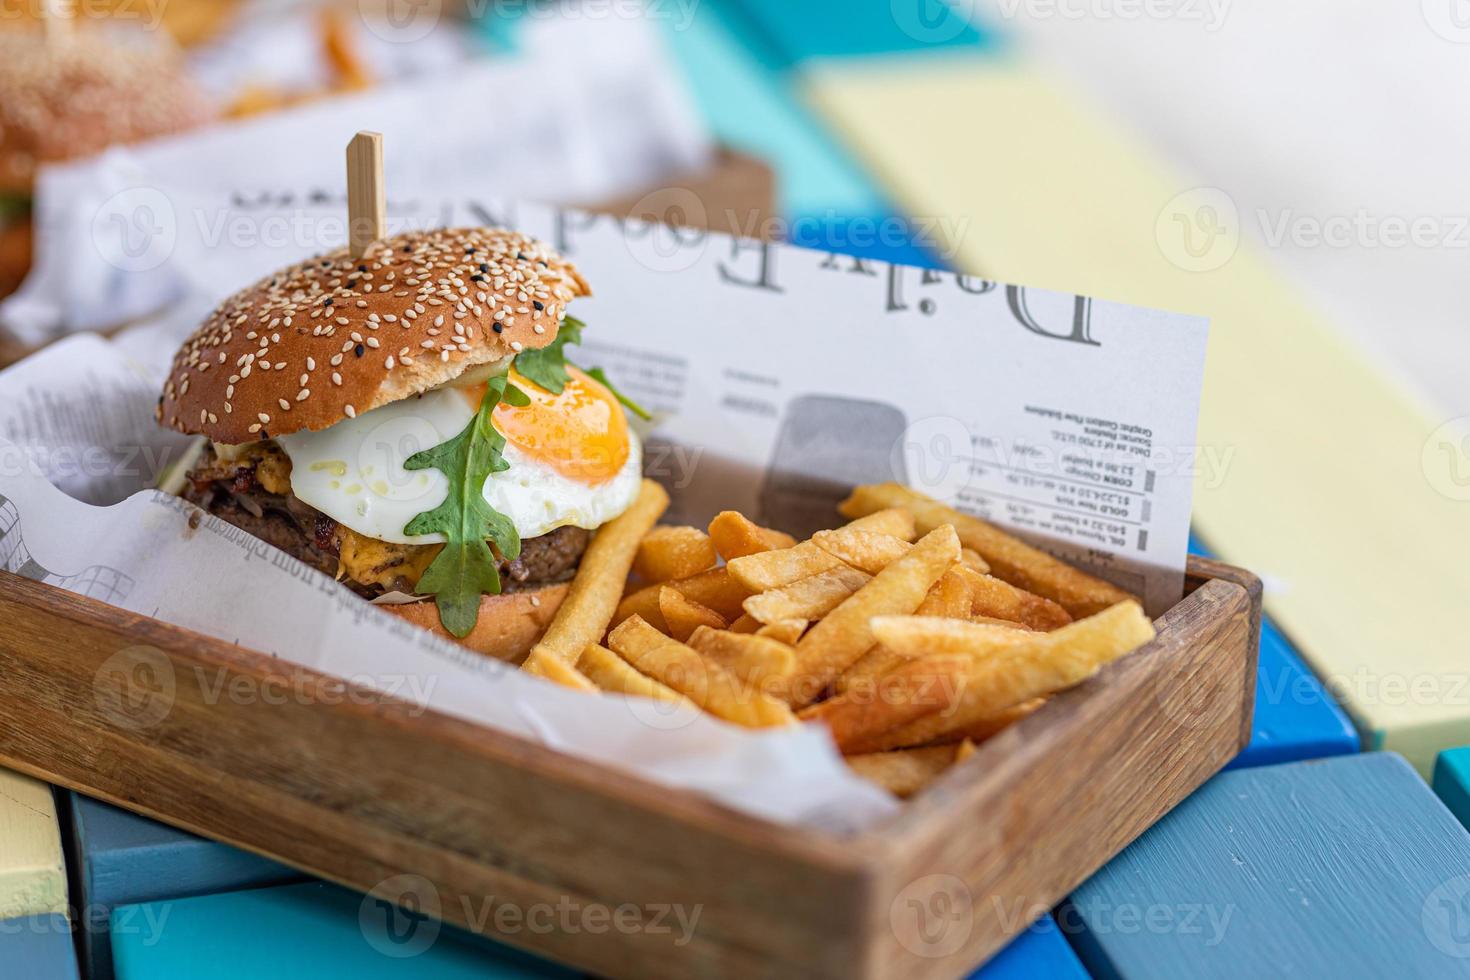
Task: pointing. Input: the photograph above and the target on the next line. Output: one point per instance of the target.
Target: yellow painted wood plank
(32, 869)
(1317, 479)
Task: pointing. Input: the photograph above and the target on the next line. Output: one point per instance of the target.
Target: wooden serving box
(364, 789)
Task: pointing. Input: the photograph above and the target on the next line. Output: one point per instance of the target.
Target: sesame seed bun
(508, 627)
(77, 96)
(333, 337)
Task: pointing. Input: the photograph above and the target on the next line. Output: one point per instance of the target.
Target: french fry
(807, 598)
(746, 623)
(595, 591)
(768, 570)
(708, 685)
(559, 671)
(673, 552)
(683, 615)
(787, 631)
(736, 536)
(992, 597)
(966, 749)
(714, 589)
(994, 725)
(871, 665)
(1042, 665)
(611, 673)
(970, 558)
(916, 636)
(903, 695)
(756, 660)
(950, 597)
(905, 772)
(1010, 558)
(870, 551)
(837, 641)
(896, 521)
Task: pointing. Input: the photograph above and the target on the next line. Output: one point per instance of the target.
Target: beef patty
(252, 492)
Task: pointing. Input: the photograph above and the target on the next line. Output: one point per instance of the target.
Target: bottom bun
(509, 624)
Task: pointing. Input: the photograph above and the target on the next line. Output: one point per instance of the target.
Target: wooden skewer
(367, 199)
(56, 17)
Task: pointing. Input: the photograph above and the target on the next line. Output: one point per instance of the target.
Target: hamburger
(410, 423)
(71, 97)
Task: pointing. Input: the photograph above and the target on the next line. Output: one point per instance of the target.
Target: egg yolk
(581, 433)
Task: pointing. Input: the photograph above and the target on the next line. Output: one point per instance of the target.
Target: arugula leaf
(467, 569)
(600, 376)
(547, 366)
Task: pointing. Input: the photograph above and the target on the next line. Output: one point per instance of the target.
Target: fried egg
(573, 460)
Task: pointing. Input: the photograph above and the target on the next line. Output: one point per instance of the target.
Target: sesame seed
(263, 417)
(351, 412)
(285, 405)
(336, 378)
(303, 394)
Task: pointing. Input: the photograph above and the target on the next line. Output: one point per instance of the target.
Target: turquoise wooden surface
(119, 858)
(1295, 716)
(810, 29)
(1346, 868)
(37, 947)
(302, 932)
(1452, 782)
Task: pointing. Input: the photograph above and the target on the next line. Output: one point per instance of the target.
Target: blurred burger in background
(68, 94)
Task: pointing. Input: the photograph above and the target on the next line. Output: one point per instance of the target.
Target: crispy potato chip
(836, 642)
(707, 684)
(870, 551)
(787, 631)
(768, 570)
(683, 615)
(950, 596)
(611, 673)
(970, 558)
(989, 596)
(905, 772)
(807, 598)
(916, 636)
(756, 660)
(876, 662)
(595, 591)
(673, 552)
(736, 536)
(905, 694)
(1010, 558)
(1043, 664)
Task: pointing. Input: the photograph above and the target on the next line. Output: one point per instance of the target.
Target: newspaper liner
(781, 376)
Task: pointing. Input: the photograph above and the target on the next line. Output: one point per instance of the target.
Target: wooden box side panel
(1039, 808)
(365, 790)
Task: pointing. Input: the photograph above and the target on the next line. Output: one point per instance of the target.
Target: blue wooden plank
(311, 930)
(1452, 782)
(124, 859)
(1296, 717)
(37, 947)
(843, 29)
(1040, 951)
(1345, 867)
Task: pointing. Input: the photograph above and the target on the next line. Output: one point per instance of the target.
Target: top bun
(331, 338)
(76, 96)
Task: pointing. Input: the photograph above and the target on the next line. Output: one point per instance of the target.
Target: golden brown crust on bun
(333, 337)
(79, 95)
(508, 627)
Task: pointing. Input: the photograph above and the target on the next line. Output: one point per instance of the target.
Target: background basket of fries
(1033, 715)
